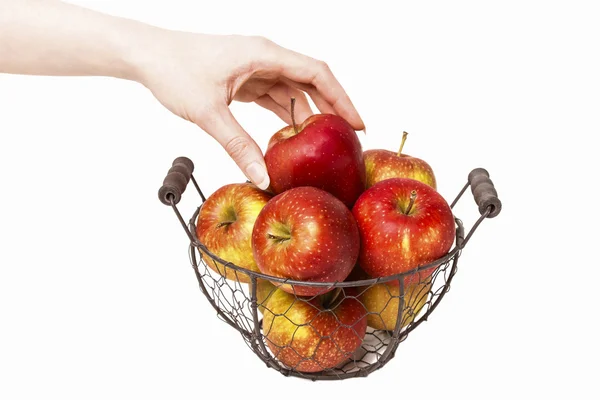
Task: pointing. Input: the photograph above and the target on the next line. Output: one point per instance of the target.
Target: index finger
(309, 71)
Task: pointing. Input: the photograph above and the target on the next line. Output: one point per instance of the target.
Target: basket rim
(459, 236)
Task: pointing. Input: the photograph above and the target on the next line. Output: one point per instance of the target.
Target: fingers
(308, 71)
(267, 102)
(223, 126)
(319, 101)
(278, 100)
(282, 95)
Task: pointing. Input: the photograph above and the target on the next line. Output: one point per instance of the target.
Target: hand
(197, 76)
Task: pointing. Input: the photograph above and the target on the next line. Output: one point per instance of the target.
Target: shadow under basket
(349, 329)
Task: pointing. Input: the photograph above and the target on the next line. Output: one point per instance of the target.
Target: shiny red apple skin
(393, 242)
(306, 336)
(306, 234)
(384, 164)
(225, 224)
(326, 154)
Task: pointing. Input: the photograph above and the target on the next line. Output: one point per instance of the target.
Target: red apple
(382, 300)
(384, 164)
(403, 224)
(225, 226)
(306, 234)
(311, 335)
(324, 152)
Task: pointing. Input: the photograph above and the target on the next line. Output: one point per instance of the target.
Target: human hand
(197, 76)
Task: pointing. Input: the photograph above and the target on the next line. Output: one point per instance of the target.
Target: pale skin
(195, 76)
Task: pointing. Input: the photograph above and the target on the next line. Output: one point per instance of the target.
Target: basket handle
(176, 181)
(484, 192)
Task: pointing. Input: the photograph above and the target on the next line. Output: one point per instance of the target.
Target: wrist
(135, 43)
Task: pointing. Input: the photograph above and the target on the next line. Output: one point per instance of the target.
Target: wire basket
(350, 328)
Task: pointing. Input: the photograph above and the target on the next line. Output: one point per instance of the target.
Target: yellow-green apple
(306, 234)
(382, 300)
(225, 226)
(384, 164)
(324, 152)
(310, 335)
(264, 291)
(403, 224)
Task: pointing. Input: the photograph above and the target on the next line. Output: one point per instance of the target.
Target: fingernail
(257, 173)
(364, 129)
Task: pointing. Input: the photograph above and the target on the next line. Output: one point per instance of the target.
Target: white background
(97, 299)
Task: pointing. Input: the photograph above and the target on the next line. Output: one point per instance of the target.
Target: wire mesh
(349, 329)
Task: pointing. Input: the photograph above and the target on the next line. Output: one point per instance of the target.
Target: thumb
(223, 126)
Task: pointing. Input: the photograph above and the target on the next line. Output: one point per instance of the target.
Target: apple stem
(404, 135)
(413, 197)
(292, 105)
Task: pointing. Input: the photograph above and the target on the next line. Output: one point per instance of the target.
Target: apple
(306, 234)
(384, 164)
(264, 291)
(357, 274)
(313, 335)
(403, 224)
(382, 300)
(225, 224)
(323, 151)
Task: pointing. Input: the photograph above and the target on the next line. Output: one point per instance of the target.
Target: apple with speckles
(306, 234)
(323, 151)
(403, 224)
(384, 164)
(225, 224)
(382, 301)
(311, 335)
(264, 291)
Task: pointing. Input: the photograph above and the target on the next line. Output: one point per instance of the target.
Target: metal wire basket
(350, 331)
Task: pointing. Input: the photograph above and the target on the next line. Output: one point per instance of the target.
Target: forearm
(48, 37)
